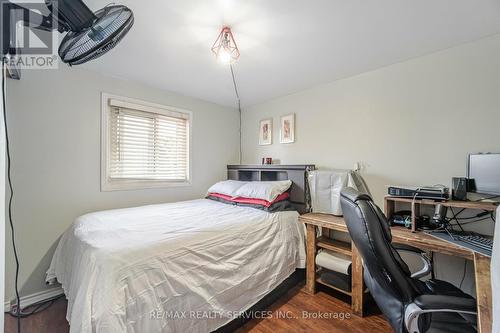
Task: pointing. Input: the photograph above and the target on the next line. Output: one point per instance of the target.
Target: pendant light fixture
(225, 48)
(226, 51)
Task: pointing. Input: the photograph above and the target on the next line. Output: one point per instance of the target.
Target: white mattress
(206, 261)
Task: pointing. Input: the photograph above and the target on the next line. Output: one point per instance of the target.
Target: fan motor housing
(74, 15)
(111, 24)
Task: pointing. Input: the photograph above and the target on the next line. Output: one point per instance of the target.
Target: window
(144, 145)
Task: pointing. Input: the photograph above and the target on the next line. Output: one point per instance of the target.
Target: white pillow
(264, 190)
(227, 187)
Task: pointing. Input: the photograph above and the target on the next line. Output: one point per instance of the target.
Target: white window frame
(109, 184)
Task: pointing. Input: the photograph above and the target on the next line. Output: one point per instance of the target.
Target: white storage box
(325, 186)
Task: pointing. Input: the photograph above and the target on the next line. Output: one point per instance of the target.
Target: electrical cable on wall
(17, 312)
(11, 195)
(239, 104)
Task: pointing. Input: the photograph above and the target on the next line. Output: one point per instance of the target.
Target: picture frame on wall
(287, 128)
(266, 132)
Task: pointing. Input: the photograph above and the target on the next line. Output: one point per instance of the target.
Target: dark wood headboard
(299, 192)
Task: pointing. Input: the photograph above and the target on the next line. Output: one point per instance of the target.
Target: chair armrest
(436, 303)
(426, 261)
(452, 303)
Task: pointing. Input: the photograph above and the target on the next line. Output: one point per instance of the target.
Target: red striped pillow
(253, 201)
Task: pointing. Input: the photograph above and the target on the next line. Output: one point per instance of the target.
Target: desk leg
(310, 260)
(358, 284)
(483, 292)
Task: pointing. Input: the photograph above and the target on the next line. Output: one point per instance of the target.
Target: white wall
(409, 123)
(54, 123)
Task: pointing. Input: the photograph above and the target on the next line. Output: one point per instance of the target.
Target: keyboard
(476, 240)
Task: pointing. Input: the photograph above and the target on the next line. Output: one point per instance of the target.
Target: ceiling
(286, 45)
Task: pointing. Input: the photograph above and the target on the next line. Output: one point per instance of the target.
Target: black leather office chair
(411, 305)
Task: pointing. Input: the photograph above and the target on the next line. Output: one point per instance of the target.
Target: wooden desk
(335, 223)
(403, 236)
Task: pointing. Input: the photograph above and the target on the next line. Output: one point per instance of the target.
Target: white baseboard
(35, 298)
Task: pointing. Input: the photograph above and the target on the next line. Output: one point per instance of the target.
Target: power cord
(38, 307)
(455, 215)
(486, 215)
(9, 180)
(465, 273)
(239, 103)
(45, 304)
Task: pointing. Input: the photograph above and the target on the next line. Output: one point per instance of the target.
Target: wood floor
(296, 310)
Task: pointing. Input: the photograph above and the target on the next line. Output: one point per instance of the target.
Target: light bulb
(224, 56)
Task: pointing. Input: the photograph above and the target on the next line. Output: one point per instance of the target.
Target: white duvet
(181, 267)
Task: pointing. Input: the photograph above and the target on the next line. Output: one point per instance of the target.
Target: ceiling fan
(88, 36)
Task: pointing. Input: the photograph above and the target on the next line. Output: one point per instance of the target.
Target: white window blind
(145, 145)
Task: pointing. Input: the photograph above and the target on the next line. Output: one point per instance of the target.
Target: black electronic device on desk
(401, 218)
(437, 192)
(459, 189)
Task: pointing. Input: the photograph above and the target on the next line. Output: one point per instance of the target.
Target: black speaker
(459, 190)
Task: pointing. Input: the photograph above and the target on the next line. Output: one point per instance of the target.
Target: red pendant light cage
(225, 48)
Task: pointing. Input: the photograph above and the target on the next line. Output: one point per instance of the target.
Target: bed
(190, 266)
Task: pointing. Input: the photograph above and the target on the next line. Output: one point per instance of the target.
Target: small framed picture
(287, 130)
(266, 132)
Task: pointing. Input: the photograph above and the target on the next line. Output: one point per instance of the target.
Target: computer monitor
(483, 171)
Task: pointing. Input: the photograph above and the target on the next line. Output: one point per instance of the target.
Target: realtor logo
(29, 36)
